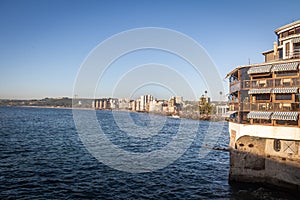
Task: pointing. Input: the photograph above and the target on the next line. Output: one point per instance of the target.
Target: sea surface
(43, 157)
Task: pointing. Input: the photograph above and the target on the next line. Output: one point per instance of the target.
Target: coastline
(204, 117)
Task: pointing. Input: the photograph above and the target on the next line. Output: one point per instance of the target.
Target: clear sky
(44, 42)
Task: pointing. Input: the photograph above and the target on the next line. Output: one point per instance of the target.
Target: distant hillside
(48, 102)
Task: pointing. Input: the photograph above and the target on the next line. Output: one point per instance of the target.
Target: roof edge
(261, 64)
(287, 26)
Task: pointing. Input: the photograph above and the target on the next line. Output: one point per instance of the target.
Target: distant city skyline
(44, 43)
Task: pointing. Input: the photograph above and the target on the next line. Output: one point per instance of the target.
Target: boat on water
(264, 124)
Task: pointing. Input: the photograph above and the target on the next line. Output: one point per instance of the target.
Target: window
(286, 123)
(292, 32)
(287, 49)
(297, 98)
(280, 51)
(266, 121)
(297, 50)
(244, 74)
(285, 34)
(262, 97)
(261, 76)
(283, 97)
(280, 74)
(298, 30)
(256, 121)
(277, 145)
(262, 121)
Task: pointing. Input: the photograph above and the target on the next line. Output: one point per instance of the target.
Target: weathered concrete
(279, 132)
(254, 159)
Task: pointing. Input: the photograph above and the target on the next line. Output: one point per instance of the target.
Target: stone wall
(254, 159)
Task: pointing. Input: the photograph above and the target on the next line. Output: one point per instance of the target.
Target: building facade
(264, 125)
(105, 104)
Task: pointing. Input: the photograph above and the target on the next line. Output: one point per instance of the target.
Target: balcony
(272, 107)
(235, 86)
(293, 54)
(270, 83)
(275, 108)
(234, 106)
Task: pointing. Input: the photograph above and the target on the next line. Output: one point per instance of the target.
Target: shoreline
(205, 117)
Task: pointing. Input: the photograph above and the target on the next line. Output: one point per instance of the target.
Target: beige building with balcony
(264, 124)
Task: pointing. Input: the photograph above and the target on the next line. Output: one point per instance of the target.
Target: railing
(271, 107)
(293, 54)
(296, 54)
(233, 81)
(275, 107)
(233, 101)
(234, 106)
(235, 86)
(266, 122)
(268, 83)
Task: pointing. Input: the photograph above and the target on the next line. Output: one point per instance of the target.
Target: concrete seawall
(254, 160)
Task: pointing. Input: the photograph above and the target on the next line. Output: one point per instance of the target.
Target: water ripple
(42, 157)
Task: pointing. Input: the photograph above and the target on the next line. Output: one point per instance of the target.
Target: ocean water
(43, 157)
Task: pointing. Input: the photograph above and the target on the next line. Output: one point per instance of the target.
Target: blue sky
(44, 42)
